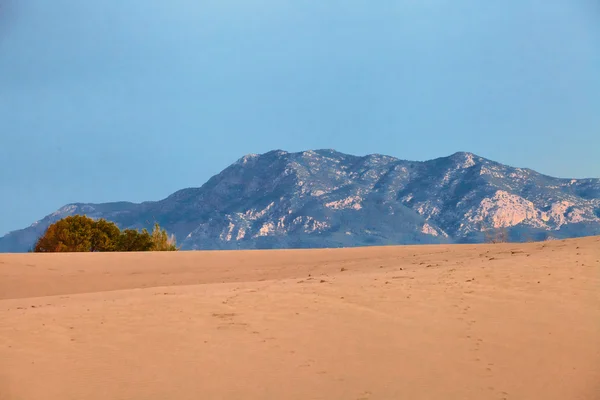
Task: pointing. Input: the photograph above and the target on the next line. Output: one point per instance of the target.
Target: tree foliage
(79, 233)
(105, 236)
(133, 240)
(161, 241)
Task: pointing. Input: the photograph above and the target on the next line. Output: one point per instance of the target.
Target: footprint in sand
(229, 323)
(224, 315)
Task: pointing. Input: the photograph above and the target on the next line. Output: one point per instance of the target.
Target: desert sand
(503, 321)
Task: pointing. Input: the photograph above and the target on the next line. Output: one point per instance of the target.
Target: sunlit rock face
(324, 198)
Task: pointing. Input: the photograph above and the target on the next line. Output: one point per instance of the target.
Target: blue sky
(134, 99)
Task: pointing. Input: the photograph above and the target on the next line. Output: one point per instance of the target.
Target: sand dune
(418, 322)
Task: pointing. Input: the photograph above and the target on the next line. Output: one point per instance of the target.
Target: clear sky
(105, 100)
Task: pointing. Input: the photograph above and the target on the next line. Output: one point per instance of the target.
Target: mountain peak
(465, 159)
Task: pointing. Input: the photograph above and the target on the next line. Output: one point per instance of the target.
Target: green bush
(79, 233)
(105, 236)
(133, 240)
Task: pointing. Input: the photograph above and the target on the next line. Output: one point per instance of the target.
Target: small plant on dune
(161, 241)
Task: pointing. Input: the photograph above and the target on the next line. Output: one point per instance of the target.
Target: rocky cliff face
(325, 198)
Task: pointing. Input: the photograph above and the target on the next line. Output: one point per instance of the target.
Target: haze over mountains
(325, 198)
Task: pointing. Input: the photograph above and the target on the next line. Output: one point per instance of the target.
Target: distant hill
(324, 198)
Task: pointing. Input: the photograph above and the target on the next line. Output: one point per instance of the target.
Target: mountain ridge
(325, 198)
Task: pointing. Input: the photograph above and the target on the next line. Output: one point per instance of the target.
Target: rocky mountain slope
(325, 198)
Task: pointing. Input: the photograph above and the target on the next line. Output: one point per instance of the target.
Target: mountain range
(325, 198)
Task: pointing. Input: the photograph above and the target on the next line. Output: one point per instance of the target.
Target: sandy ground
(418, 322)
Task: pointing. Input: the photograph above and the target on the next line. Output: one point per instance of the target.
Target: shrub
(79, 233)
(72, 234)
(133, 240)
(161, 240)
(105, 236)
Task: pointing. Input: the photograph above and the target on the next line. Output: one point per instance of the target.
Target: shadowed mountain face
(325, 198)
